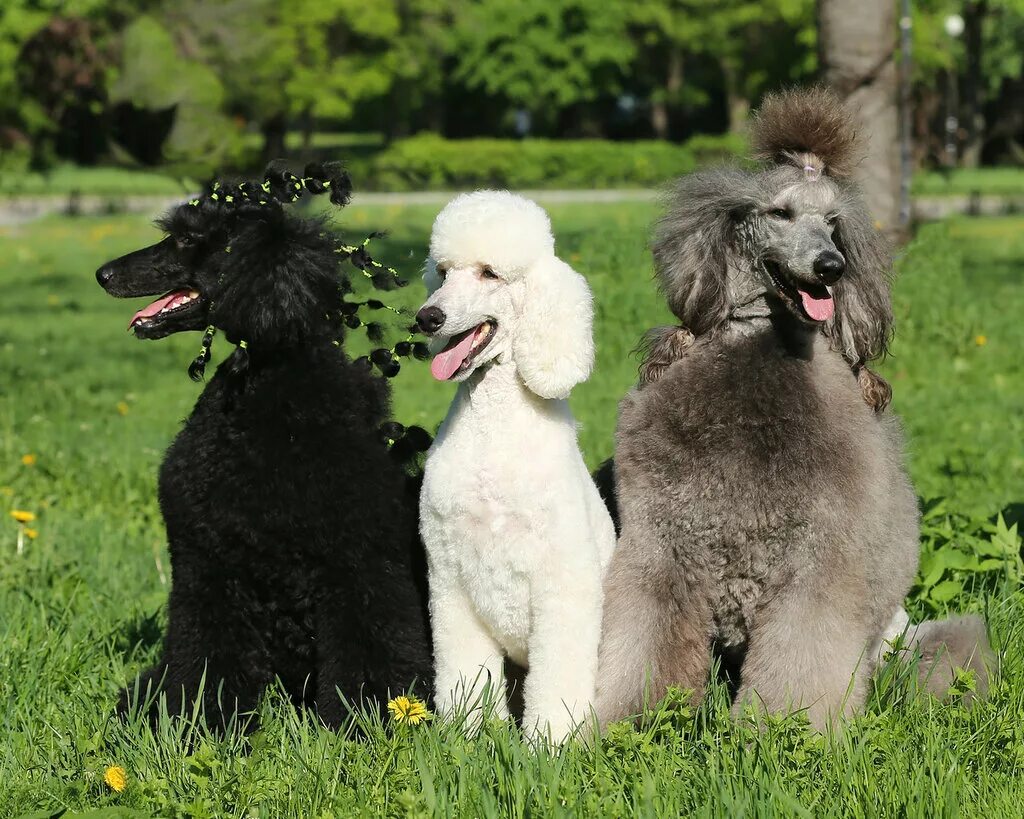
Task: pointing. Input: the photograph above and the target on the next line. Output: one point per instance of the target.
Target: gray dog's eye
(781, 213)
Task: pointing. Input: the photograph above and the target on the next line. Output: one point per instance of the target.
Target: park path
(17, 210)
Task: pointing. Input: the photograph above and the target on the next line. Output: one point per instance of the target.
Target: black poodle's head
(234, 259)
(255, 272)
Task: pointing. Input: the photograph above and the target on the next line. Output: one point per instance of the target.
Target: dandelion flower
(980, 340)
(29, 459)
(22, 516)
(408, 709)
(31, 534)
(116, 777)
(122, 408)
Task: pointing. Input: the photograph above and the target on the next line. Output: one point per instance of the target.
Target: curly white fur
(517, 536)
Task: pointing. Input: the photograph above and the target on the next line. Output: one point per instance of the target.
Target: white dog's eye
(487, 272)
(441, 271)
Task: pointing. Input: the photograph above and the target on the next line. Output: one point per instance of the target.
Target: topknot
(810, 128)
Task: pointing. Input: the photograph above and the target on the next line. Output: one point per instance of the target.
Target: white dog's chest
(476, 537)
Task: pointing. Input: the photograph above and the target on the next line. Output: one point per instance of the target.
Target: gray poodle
(764, 506)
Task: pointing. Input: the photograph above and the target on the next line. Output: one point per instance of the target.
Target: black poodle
(292, 529)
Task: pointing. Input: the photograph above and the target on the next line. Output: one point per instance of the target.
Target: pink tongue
(817, 309)
(157, 306)
(448, 361)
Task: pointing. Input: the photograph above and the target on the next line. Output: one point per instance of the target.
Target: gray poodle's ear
(862, 324)
(693, 240)
(554, 345)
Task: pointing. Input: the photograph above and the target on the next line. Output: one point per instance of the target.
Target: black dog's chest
(222, 474)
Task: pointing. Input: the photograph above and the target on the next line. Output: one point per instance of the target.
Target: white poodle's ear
(554, 344)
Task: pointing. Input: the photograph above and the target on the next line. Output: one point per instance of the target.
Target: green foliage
(542, 54)
(963, 557)
(428, 161)
(83, 609)
(153, 75)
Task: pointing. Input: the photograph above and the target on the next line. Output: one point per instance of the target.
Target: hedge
(431, 162)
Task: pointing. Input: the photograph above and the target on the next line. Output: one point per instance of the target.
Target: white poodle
(517, 536)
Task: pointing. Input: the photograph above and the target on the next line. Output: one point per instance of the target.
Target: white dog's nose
(430, 319)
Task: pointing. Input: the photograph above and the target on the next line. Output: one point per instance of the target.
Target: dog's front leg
(566, 628)
(809, 650)
(469, 664)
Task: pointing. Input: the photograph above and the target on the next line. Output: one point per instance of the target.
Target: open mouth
(175, 303)
(462, 350)
(814, 301)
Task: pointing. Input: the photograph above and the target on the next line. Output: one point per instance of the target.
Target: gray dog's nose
(104, 275)
(829, 267)
(430, 319)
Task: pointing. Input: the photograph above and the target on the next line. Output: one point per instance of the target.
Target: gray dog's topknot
(809, 128)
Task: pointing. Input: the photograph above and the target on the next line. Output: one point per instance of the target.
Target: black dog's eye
(487, 272)
(781, 213)
(185, 240)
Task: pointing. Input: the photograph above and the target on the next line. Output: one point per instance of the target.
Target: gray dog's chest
(744, 572)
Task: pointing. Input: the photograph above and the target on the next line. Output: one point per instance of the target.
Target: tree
(856, 50)
(745, 38)
(544, 56)
(287, 60)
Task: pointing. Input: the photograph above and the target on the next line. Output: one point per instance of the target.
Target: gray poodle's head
(793, 235)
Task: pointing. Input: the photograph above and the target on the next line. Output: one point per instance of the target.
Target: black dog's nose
(430, 319)
(104, 275)
(829, 267)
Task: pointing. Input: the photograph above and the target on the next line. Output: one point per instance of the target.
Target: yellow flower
(408, 709)
(29, 459)
(116, 777)
(31, 534)
(981, 341)
(122, 408)
(22, 516)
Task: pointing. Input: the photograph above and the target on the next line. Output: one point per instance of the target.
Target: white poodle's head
(497, 291)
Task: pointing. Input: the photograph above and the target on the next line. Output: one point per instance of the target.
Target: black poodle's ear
(693, 240)
(862, 324)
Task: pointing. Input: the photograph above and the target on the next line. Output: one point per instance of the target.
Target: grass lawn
(86, 412)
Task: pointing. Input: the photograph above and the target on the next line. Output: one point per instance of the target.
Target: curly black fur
(292, 530)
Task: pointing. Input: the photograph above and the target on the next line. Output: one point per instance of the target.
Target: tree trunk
(856, 52)
(738, 105)
(973, 119)
(660, 109)
(274, 131)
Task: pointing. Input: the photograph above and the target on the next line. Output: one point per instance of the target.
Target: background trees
(187, 81)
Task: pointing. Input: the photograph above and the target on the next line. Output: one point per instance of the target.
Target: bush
(431, 162)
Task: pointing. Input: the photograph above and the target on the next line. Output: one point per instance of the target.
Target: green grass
(969, 181)
(101, 181)
(82, 610)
